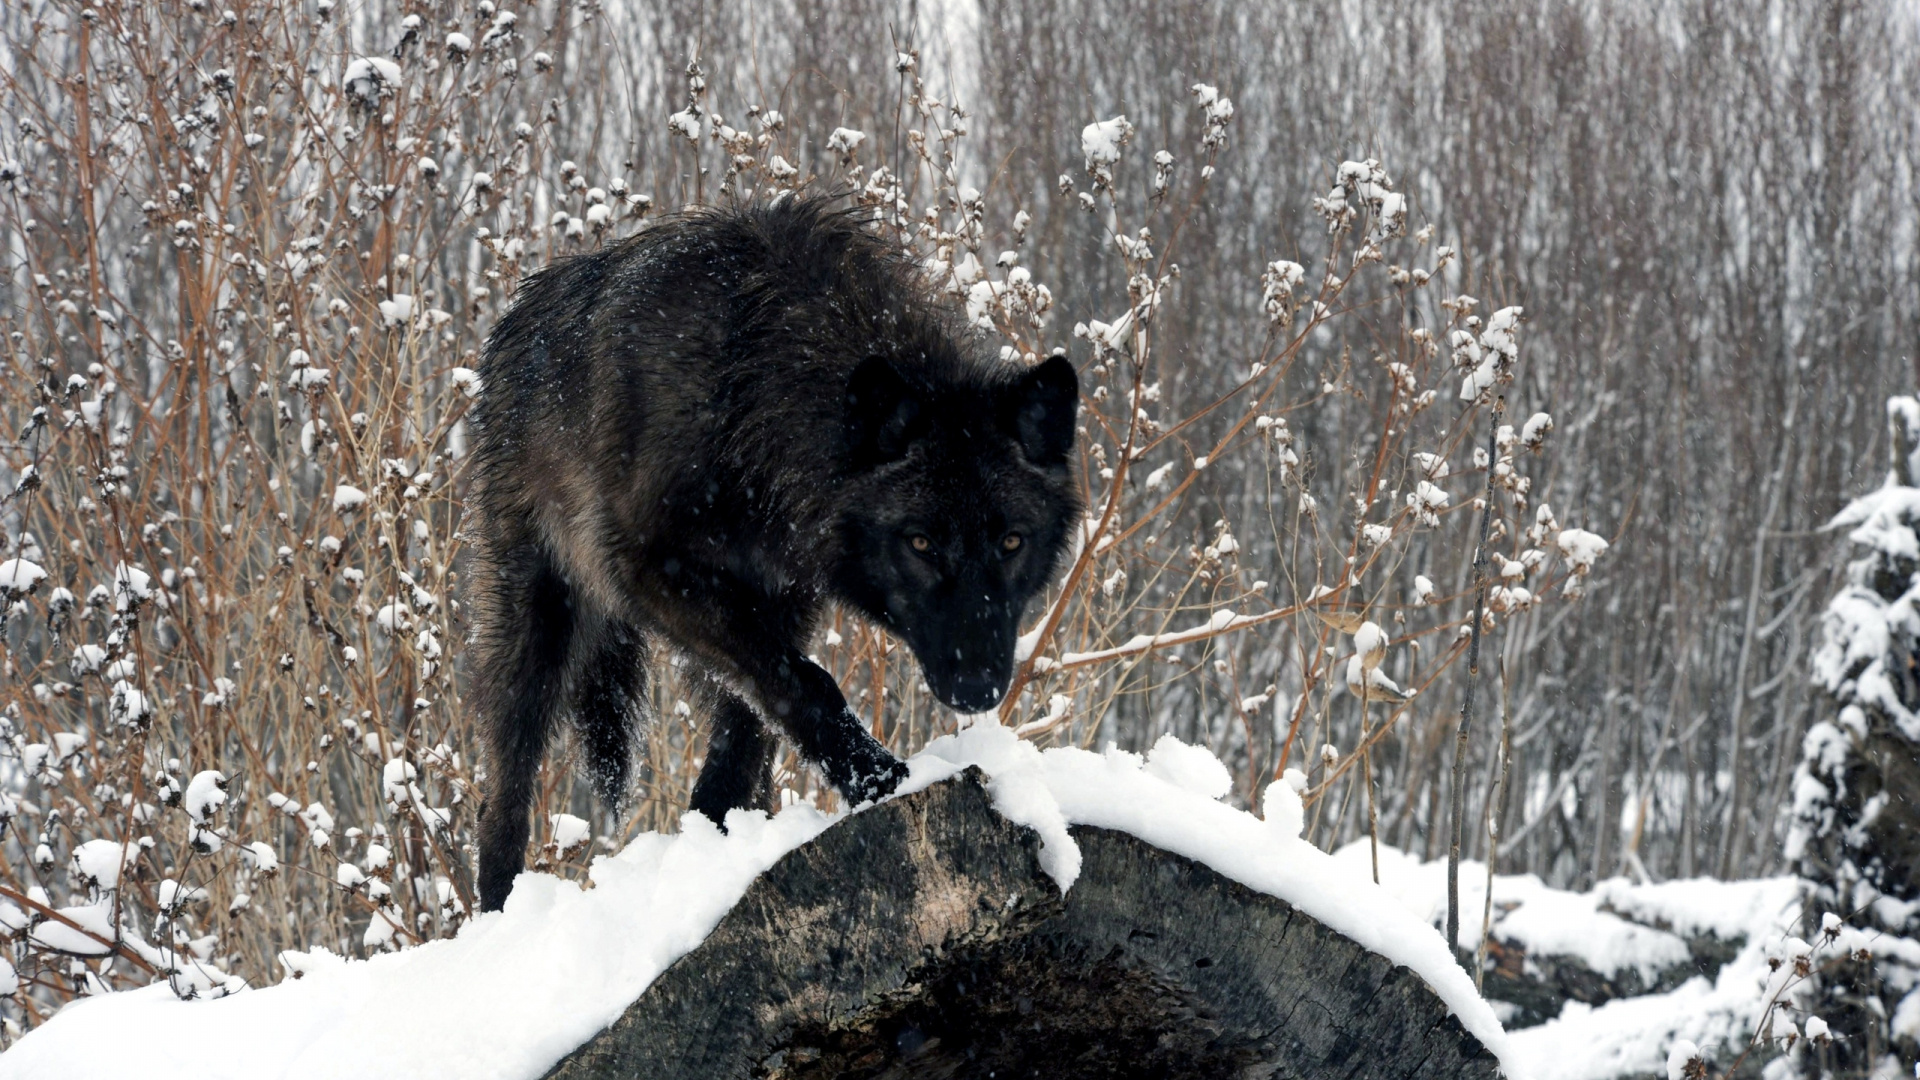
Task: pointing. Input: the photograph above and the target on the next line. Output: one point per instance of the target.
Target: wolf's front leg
(799, 696)
(749, 640)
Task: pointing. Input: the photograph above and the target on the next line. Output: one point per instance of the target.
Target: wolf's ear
(1039, 410)
(883, 413)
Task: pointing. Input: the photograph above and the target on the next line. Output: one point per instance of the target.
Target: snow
(1535, 431)
(1371, 642)
(347, 498)
(1569, 924)
(1882, 520)
(1217, 108)
(980, 304)
(221, 694)
(1393, 209)
(1101, 142)
(100, 861)
(94, 922)
(501, 30)
(1860, 625)
(570, 832)
(206, 794)
(1683, 1054)
(131, 585)
(845, 140)
(1498, 336)
(518, 989)
(86, 658)
(127, 704)
(1370, 680)
(396, 782)
(1626, 1037)
(261, 857)
(173, 895)
(1222, 621)
(309, 378)
(370, 78)
(394, 617)
(396, 312)
(1906, 1017)
(1190, 768)
(375, 65)
(1619, 926)
(19, 576)
(1581, 548)
(1726, 909)
(1428, 496)
(1903, 414)
(1478, 380)
(1278, 283)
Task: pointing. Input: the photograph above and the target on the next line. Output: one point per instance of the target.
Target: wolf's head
(958, 510)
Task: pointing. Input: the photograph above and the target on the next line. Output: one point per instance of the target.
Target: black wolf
(699, 437)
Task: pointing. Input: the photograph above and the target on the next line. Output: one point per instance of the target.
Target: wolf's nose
(976, 693)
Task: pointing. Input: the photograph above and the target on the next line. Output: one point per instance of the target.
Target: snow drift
(517, 990)
(1617, 928)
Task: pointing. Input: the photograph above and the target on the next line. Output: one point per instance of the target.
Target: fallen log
(923, 939)
(1539, 985)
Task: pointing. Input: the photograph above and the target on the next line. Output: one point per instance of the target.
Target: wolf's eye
(920, 543)
(1010, 543)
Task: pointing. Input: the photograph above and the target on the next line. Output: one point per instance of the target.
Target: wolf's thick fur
(703, 434)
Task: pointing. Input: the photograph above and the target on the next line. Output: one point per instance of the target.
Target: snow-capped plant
(232, 520)
(1851, 815)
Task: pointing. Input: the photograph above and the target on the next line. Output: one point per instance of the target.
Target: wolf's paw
(873, 781)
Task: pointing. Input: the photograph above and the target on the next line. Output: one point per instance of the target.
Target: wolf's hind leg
(739, 768)
(607, 693)
(526, 627)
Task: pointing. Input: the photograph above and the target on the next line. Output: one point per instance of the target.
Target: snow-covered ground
(516, 990)
(1616, 928)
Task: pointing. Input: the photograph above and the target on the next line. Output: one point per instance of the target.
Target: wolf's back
(710, 350)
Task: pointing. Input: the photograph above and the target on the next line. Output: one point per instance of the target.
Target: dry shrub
(249, 273)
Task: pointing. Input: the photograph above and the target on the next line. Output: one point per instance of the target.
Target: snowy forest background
(248, 270)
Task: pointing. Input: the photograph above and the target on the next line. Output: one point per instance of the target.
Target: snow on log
(925, 939)
(1602, 985)
(1083, 913)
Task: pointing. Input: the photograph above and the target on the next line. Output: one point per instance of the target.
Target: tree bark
(922, 939)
